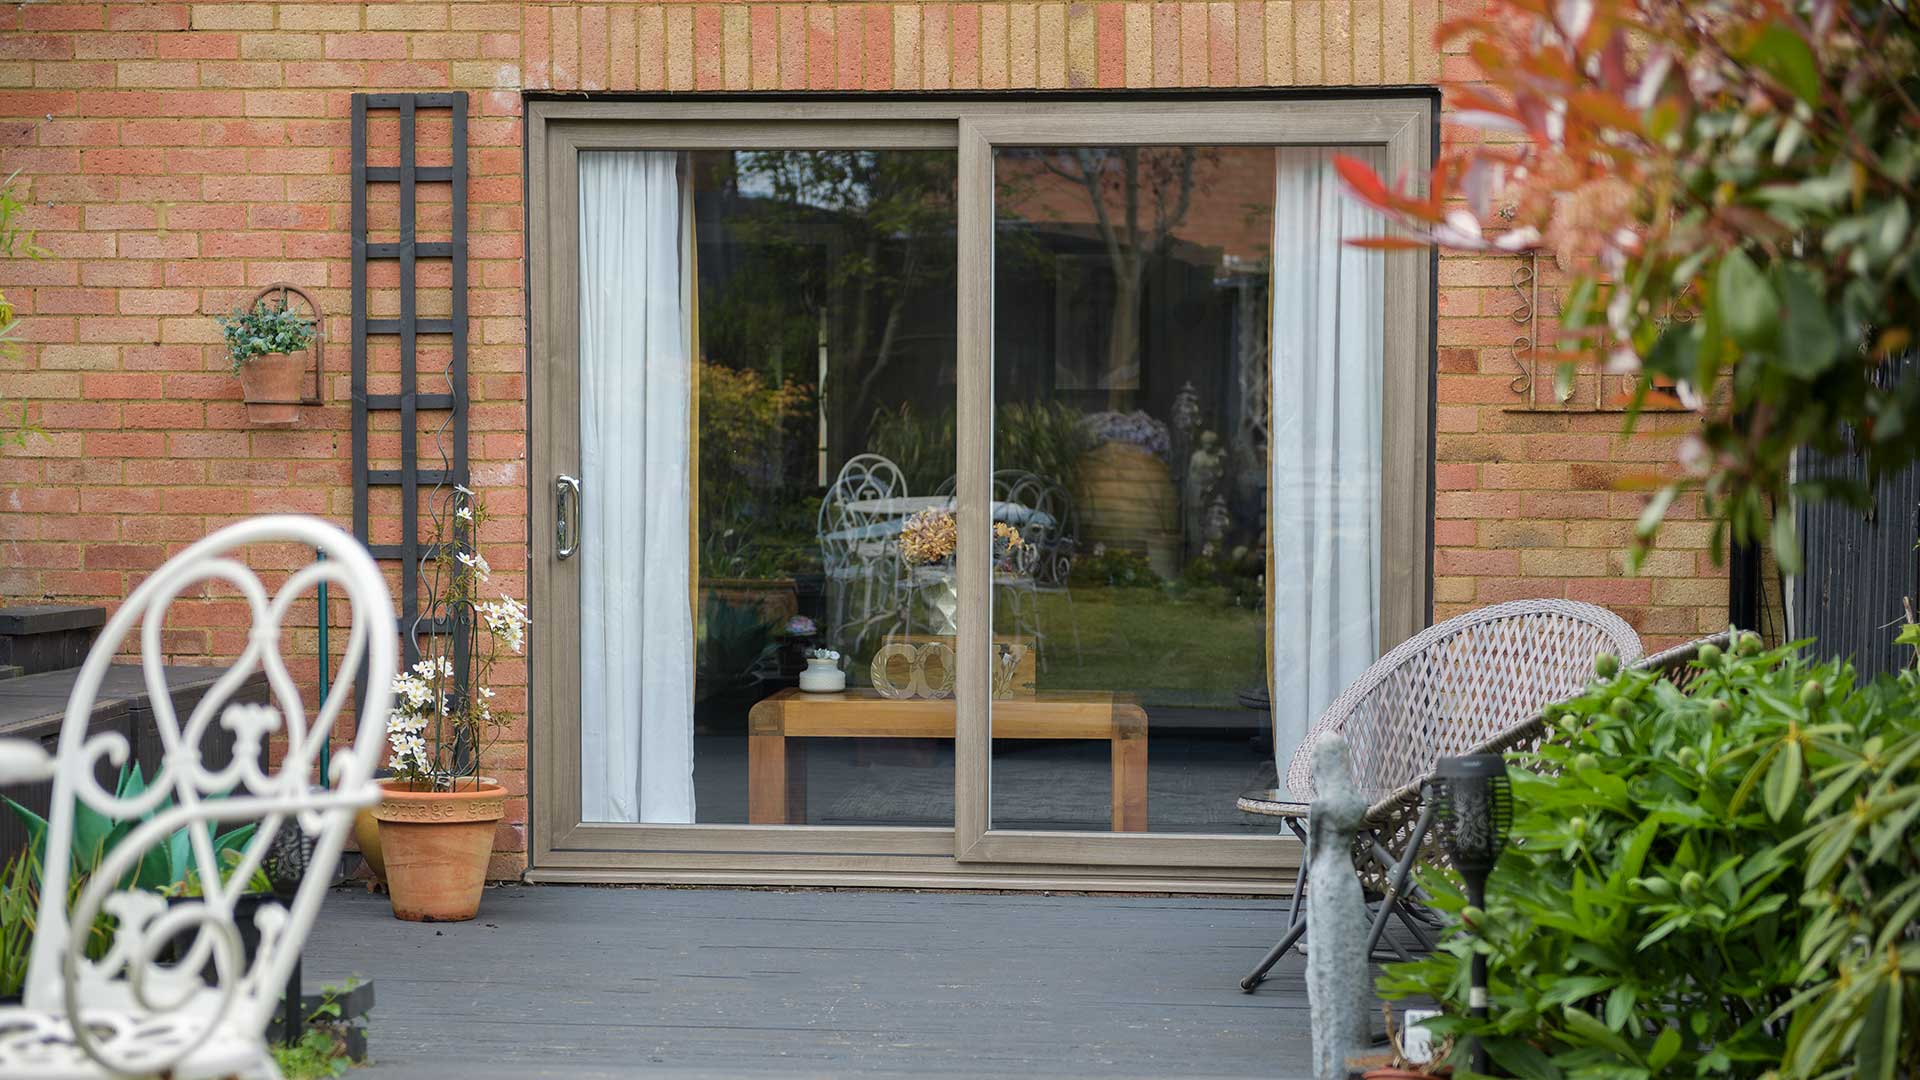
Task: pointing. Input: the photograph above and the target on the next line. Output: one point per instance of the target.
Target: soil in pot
(435, 845)
(271, 384)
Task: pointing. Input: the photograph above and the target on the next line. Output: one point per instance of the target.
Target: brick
(848, 70)
(320, 17)
(1083, 53)
(821, 48)
(707, 46)
(962, 46)
(736, 48)
(1023, 35)
(679, 46)
(232, 16)
(763, 34)
(282, 46)
(197, 47)
(408, 16)
(1052, 49)
(365, 46)
(62, 17)
(147, 16)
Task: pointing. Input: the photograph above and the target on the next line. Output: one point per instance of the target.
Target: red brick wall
(178, 157)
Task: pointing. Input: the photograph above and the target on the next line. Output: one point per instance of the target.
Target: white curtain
(1328, 355)
(636, 624)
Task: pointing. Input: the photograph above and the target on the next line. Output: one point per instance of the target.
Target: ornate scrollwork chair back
(146, 1007)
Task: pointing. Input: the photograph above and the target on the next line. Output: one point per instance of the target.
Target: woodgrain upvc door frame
(970, 854)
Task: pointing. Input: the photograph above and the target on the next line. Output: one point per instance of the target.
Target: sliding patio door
(1069, 437)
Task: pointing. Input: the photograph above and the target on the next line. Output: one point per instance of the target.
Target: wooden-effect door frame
(970, 854)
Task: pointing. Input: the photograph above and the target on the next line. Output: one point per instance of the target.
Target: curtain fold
(636, 627)
(1328, 339)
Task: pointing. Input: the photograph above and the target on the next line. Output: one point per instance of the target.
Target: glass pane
(1145, 298)
(822, 303)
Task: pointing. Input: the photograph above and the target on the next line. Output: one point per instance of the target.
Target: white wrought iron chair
(858, 565)
(1045, 558)
(133, 1013)
(1474, 683)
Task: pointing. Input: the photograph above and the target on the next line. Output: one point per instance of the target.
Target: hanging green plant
(266, 329)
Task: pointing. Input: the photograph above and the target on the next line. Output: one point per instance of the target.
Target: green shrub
(1115, 567)
(1721, 882)
(267, 328)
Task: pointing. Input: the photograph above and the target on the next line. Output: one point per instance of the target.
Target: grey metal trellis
(451, 436)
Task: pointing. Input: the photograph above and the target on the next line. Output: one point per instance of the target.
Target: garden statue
(1337, 968)
(1205, 469)
(1219, 520)
(1184, 421)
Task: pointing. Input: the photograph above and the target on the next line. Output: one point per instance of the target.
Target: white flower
(465, 513)
(506, 620)
(476, 562)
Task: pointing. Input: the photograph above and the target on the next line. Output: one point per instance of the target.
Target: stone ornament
(1338, 975)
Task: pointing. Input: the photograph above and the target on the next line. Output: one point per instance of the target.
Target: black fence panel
(1860, 570)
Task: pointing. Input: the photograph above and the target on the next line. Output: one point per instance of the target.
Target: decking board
(601, 982)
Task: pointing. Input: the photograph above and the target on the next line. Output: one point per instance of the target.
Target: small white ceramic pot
(823, 676)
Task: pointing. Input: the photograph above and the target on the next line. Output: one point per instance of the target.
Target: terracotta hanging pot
(435, 845)
(271, 384)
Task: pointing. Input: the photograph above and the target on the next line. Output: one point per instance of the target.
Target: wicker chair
(1474, 683)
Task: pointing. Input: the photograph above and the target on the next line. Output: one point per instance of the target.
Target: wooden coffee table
(776, 775)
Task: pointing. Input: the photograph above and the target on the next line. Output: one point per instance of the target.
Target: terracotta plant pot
(435, 845)
(366, 833)
(272, 384)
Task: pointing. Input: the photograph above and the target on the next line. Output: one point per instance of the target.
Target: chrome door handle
(566, 534)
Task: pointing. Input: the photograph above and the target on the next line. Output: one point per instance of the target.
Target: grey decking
(602, 982)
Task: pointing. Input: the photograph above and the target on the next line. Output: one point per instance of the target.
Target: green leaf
(36, 828)
(1522, 1059)
(1786, 56)
(1877, 1053)
(1809, 342)
(1664, 1048)
(1783, 780)
(179, 855)
(1746, 302)
(1620, 1007)
(1589, 1027)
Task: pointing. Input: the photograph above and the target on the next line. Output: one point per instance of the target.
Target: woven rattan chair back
(1676, 664)
(1461, 684)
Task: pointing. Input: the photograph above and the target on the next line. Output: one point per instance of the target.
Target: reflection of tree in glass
(1138, 196)
(890, 218)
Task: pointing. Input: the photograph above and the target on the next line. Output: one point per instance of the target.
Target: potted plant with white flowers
(437, 814)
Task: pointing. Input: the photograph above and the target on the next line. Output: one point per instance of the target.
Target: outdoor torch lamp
(1474, 803)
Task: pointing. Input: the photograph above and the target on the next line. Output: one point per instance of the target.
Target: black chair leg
(1397, 878)
(1296, 919)
(1259, 975)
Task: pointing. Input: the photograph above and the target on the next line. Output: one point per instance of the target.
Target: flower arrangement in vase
(929, 539)
(437, 813)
